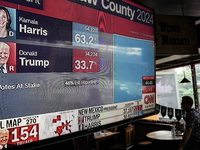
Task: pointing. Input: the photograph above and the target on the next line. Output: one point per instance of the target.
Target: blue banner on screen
(131, 63)
(42, 28)
(43, 59)
(38, 4)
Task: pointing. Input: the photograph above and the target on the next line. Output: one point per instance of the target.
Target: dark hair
(188, 100)
(8, 17)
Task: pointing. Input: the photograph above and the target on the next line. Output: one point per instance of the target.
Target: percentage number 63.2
(81, 38)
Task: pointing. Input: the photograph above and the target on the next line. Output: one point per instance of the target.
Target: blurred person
(5, 21)
(191, 137)
(4, 56)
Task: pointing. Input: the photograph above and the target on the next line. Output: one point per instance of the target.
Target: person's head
(4, 136)
(4, 53)
(5, 18)
(187, 103)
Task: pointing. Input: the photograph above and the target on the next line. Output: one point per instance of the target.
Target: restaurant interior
(174, 62)
(177, 58)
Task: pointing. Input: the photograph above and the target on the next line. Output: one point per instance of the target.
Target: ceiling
(174, 7)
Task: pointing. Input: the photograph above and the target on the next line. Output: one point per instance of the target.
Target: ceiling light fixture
(184, 80)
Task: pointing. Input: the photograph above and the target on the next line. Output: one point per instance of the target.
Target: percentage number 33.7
(82, 64)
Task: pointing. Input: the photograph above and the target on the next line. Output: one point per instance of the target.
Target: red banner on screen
(85, 61)
(24, 134)
(150, 89)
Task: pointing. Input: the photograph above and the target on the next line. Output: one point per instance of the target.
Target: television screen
(73, 65)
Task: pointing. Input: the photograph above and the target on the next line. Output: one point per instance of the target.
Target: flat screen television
(73, 66)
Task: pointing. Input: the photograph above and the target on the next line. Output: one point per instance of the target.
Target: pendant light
(184, 80)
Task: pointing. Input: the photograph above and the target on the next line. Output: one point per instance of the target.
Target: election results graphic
(72, 66)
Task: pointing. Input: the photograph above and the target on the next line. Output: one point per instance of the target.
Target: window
(167, 89)
(197, 67)
(170, 90)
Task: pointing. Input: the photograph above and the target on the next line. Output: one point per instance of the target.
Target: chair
(128, 141)
(144, 145)
(83, 143)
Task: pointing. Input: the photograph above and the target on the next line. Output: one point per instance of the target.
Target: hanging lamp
(184, 80)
